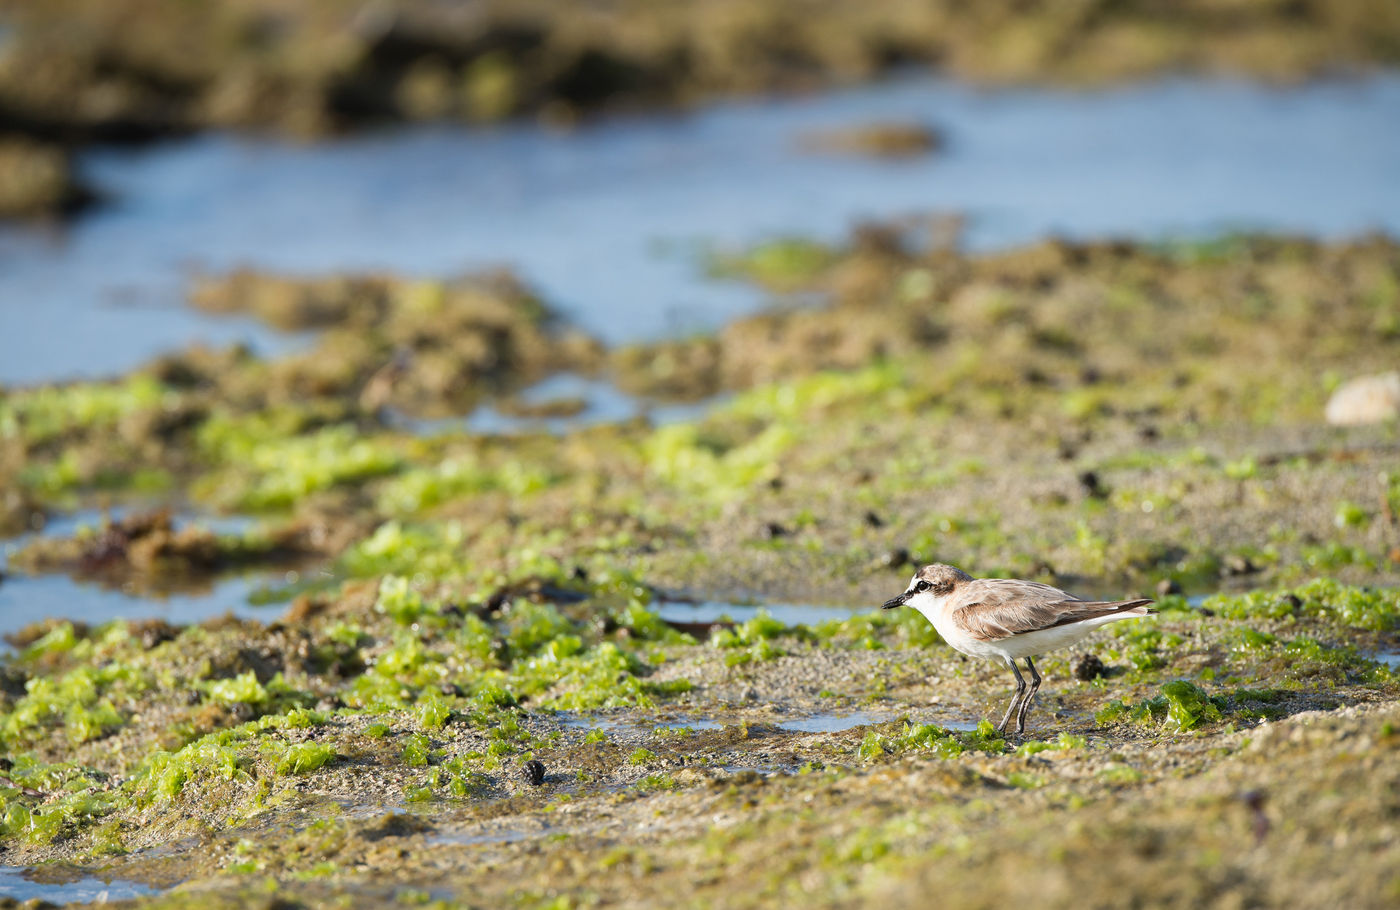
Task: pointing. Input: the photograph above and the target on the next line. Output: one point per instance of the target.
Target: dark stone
(14, 681)
(1236, 564)
(534, 772)
(873, 520)
(193, 697)
(773, 531)
(700, 630)
(495, 603)
(1087, 667)
(1293, 600)
(451, 688)
(1148, 433)
(242, 712)
(264, 662)
(397, 824)
(897, 558)
(1093, 487)
(1168, 586)
(152, 632)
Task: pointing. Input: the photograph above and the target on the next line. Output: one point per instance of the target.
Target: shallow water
(788, 614)
(507, 836)
(86, 889)
(837, 722)
(830, 723)
(609, 723)
(603, 403)
(605, 220)
(26, 598)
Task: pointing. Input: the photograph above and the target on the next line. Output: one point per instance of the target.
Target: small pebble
(873, 520)
(1368, 399)
(897, 558)
(534, 772)
(1087, 667)
(772, 531)
(1095, 489)
(1236, 564)
(1254, 800)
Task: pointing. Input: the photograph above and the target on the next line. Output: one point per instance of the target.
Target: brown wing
(997, 608)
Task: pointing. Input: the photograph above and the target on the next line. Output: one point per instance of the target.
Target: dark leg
(1015, 699)
(1030, 697)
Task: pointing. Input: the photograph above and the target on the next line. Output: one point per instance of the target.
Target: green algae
(80, 703)
(303, 758)
(934, 740)
(681, 456)
(274, 474)
(784, 264)
(1182, 707)
(47, 413)
(1376, 609)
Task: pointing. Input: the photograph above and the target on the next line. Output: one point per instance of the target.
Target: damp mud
(642, 663)
(79, 70)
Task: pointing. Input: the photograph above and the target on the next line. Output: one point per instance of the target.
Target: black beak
(895, 601)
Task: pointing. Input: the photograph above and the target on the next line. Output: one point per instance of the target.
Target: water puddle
(1390, 658)
(606, 221)
(788, 614)
(464, 839)
(602, 403)
(836, 722)
(829, 723)
(26, 598)
(639, 724)
(15, 882)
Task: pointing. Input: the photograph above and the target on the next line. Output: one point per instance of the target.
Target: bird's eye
(923, 585)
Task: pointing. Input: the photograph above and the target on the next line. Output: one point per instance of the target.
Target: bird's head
(929, 584)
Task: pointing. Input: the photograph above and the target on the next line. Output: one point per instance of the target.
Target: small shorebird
(1007, 619)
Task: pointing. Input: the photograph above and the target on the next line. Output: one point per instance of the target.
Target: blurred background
(605, 151)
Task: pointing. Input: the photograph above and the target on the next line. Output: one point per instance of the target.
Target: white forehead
(914, 581)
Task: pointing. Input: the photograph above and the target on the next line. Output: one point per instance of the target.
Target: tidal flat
(1116, 418)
